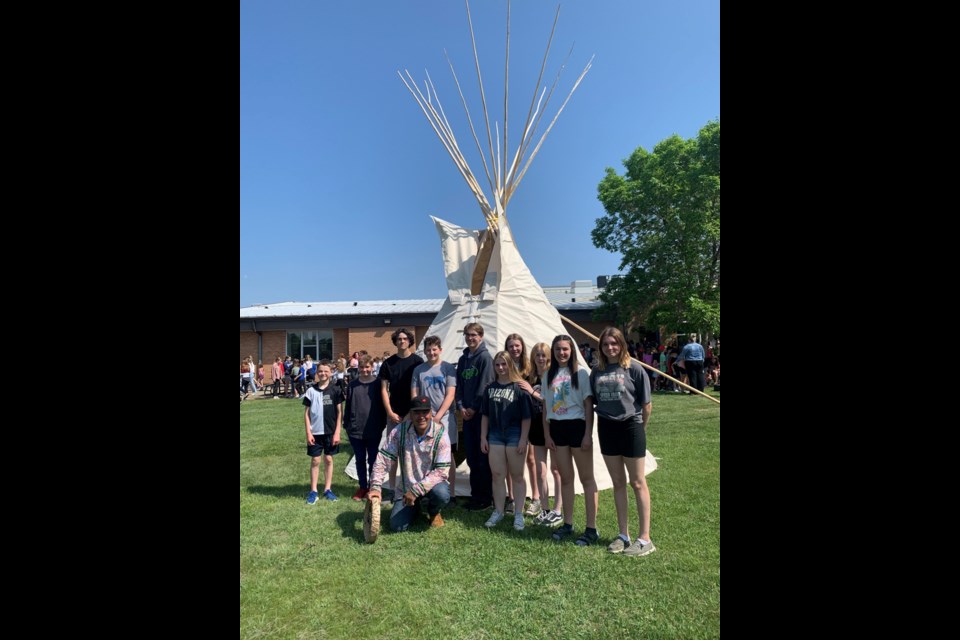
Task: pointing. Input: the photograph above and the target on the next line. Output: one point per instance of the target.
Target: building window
(318, 344)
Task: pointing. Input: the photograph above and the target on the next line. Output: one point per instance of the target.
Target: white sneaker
(495, 517)
(518, 522)
(554, 519)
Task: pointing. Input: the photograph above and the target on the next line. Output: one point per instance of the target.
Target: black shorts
(324, 445)
(536, 430)
(625, 438)
(568, 433)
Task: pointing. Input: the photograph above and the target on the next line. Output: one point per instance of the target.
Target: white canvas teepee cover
(510, 300)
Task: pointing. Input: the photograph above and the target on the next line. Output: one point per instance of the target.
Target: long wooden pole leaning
(642, 364)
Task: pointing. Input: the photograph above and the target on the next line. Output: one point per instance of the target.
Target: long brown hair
(524, 367)
(555, 364)
(617, 335)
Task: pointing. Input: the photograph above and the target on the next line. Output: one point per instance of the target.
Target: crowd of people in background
(290, 376)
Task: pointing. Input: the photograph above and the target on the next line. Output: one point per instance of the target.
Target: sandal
(587, 538)
(564, 531)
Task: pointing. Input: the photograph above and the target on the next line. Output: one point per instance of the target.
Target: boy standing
(395, 376)
(365, 423)
(474, 373)
(322, 416)
(437, 380)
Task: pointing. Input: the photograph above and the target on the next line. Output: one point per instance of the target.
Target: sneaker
(495, 517)
(533, 509)
(587, 538)
(518, 522)
(358, 496)
(510, 506)
(638, 549)
(477, 506)
(312, 497)
(436, 522)
(330, 495)
(563, 532)
(618, 545)
(541, 517)
(553, 519)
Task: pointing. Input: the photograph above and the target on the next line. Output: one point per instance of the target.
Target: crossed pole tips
(502, 177)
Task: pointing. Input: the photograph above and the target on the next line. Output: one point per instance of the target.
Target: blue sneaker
(312, 497)
(330, 495)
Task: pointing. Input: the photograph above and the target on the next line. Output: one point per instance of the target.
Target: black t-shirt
(505, 405)
(332, 397)
(365, 417)
(399, 373)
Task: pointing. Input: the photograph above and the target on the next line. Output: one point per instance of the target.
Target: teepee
(487, 280)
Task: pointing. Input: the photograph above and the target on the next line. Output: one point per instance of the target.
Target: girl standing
(568, 430)
(517, 349)
(504, 429)
(540, 354)
(277, 377)
(622, 391)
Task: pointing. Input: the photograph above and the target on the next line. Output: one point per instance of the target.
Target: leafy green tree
(663, 217)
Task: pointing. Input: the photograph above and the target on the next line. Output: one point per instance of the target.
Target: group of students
(251, 377)
(508, 402)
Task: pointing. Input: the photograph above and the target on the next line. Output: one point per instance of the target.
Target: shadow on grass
(301, 490)
(351, 525)
(351, 522)
(284, 491)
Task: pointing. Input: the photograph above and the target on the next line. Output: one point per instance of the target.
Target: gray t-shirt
(433, 382)
(620, 393)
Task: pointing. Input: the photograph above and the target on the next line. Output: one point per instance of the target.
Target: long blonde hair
(512, 372)
(544, 348)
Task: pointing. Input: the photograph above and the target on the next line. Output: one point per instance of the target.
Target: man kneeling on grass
(422, 455)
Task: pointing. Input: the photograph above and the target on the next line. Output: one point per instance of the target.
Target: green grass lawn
(305, 571)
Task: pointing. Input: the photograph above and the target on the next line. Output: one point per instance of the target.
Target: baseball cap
(420, 403)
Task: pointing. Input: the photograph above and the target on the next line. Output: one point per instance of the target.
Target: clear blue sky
(339, 169)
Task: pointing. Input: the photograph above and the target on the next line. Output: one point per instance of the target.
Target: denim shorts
(505, 438)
